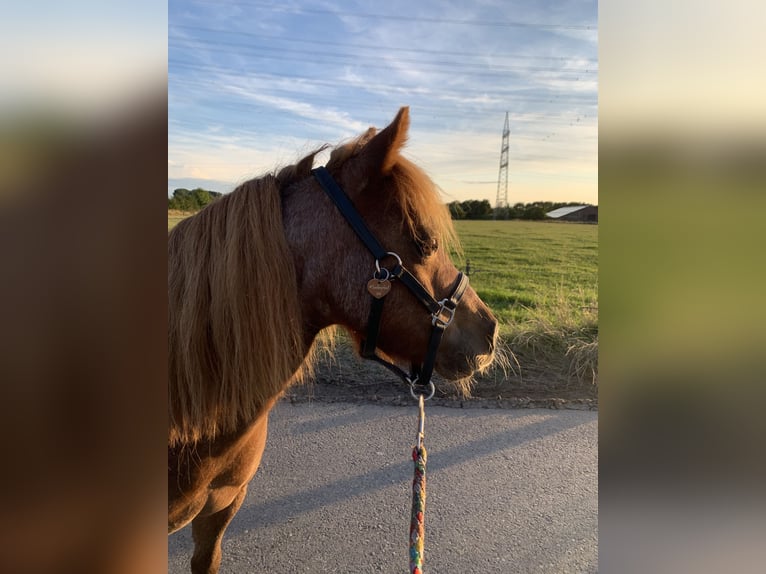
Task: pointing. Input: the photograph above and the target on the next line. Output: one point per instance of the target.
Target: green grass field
(541, 281)
(526, 269)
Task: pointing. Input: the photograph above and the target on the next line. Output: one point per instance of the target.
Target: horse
(258, 275)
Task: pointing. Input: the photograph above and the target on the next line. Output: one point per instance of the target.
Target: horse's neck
(311, 243)
(326, 255)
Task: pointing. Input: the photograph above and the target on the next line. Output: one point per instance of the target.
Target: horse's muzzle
(469, 345)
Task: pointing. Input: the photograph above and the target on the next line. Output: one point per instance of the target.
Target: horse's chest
(208, 480)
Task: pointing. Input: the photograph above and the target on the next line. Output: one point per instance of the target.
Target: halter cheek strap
(442, 312)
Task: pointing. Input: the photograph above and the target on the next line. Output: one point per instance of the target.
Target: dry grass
(175, 216)
(561, 341)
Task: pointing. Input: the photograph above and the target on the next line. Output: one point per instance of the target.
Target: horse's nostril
(492, 337)
(492, 328)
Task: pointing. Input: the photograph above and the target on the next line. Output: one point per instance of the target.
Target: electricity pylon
(502, 177)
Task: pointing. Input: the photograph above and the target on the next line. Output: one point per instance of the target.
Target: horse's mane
(234, 326)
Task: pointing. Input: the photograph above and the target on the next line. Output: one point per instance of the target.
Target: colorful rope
(417, 523)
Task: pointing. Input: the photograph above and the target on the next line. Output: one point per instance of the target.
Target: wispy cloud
(301, 108)
(254, 83)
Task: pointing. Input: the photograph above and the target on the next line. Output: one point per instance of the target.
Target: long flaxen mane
(234, 324)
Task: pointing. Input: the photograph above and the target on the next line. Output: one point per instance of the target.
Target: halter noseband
(442, 312)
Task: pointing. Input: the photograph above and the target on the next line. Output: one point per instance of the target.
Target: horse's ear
(382, 150)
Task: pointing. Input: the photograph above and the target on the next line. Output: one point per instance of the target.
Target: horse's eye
(427, 247)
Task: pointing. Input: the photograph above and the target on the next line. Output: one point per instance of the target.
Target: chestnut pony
(252, 280)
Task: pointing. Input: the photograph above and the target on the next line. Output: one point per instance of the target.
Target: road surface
(507, 491)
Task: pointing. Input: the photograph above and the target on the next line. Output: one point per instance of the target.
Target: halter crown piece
(442, 312)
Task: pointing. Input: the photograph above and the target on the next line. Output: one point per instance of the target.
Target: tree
(201, 197)
(481, 209)
(191, 200)
(533, 211)
(456, 210)
(476, 209)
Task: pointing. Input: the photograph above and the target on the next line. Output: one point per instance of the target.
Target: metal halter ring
(392, 254)
(382, 274)
(431, 390)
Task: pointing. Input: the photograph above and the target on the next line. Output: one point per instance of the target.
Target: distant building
(580, 213)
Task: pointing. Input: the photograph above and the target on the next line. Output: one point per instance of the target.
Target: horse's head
(401, 207)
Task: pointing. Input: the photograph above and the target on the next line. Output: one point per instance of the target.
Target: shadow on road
(283, 509)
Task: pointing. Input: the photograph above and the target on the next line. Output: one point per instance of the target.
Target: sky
(80, 57)
(253, 85)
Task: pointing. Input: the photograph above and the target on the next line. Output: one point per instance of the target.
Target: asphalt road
(507, 491)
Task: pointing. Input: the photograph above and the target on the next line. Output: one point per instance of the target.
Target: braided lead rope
(417, 524)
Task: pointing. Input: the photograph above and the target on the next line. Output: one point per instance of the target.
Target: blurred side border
(83, 170)
(682, 166)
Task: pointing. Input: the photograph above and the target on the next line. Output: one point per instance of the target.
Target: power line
(466, 68)
(377, 47)
(330, 93)
(408, 18)
(478, 74)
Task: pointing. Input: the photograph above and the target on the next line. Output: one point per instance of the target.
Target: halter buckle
(443, 317)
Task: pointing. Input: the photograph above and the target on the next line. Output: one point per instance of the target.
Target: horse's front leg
(208, 531)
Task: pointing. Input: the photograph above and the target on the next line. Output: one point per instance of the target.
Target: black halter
(442, 312)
